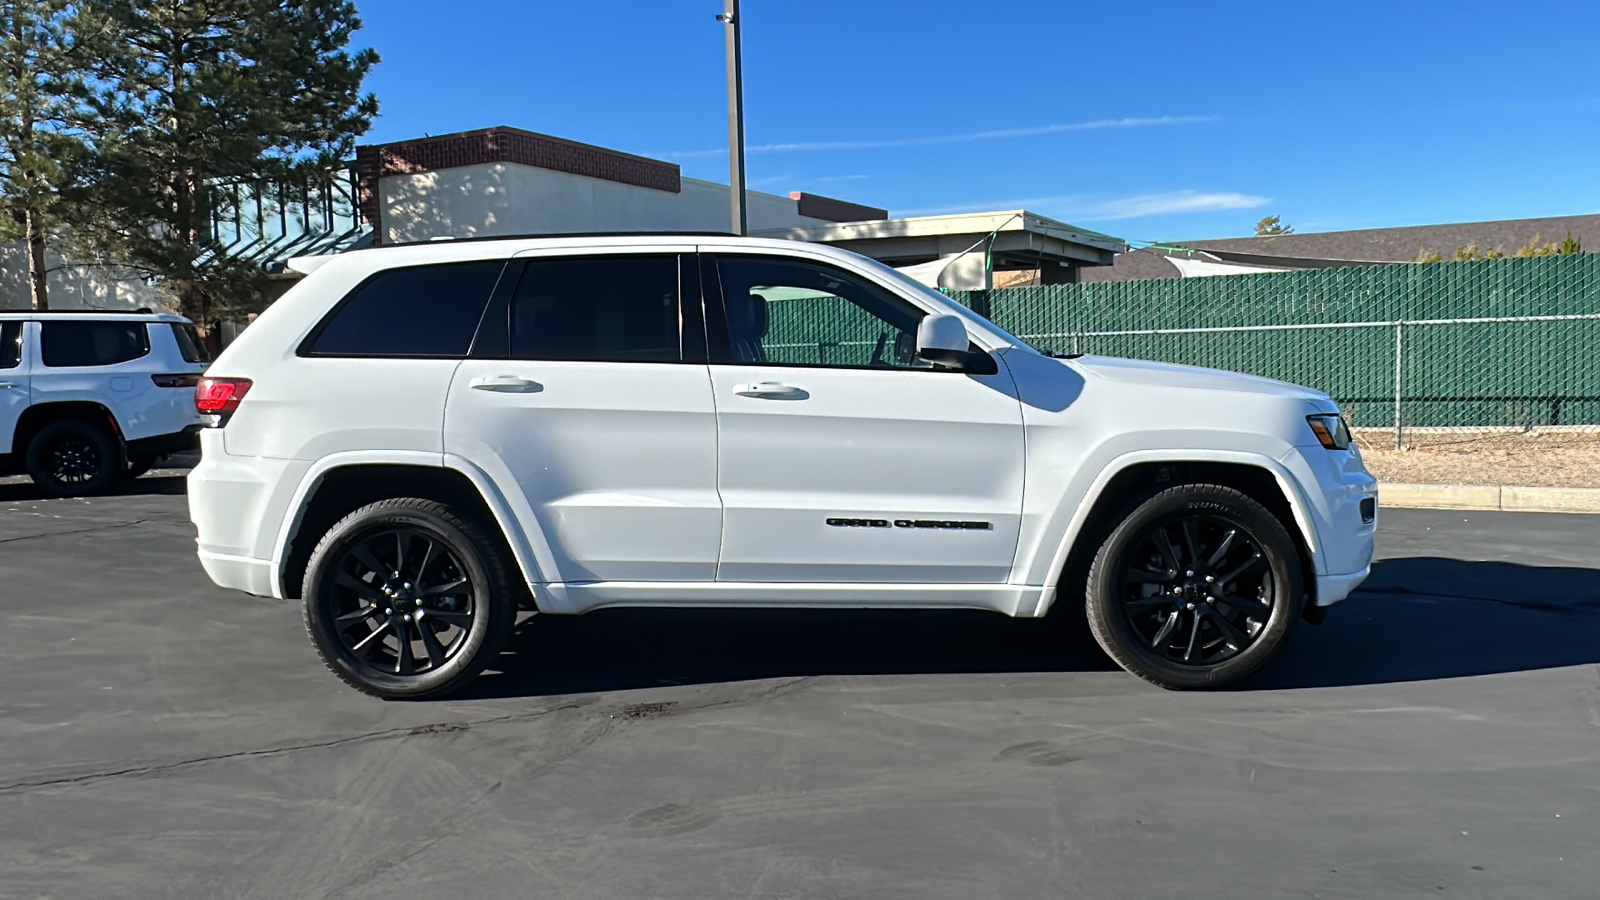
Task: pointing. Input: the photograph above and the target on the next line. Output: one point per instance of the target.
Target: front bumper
(1341, 503)
(1333, 588)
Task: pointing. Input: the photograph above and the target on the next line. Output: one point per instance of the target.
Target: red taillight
(220, 396)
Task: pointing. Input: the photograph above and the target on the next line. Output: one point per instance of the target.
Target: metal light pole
(730, 19)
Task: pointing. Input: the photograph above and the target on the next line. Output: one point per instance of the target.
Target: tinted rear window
(93, 343)
(10, 344)
(612, 308)
(428, 311)
(189, 343)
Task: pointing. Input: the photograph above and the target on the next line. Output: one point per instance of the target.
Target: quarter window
(798, 313)
(419, 311)
(10, 344)
(64, 344)
(189, 343)
(613, 308)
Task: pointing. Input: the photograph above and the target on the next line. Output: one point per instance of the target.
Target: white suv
(418, 440)
(88, 397)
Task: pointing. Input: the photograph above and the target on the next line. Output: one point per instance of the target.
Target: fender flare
(1299, 503)
(530, 551)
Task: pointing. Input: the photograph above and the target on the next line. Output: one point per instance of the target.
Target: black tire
(73, 457)
(138, 465)
(1208, 608)
(463, 596)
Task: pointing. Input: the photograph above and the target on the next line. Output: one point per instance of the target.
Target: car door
(579, 397)
(843, 458)
(14, 379)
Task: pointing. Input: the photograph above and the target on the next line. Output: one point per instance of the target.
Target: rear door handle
(771, 390)
(505, 384)
(7, 384)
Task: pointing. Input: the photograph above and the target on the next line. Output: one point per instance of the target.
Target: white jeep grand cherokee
(417, 441)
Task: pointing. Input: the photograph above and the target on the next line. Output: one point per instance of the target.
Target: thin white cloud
(930, 140)
(1088, 208)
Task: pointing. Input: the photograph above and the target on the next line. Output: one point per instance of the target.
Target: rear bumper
(241, 573)
(238, 506)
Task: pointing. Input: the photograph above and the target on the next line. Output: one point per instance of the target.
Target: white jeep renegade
(417, 441)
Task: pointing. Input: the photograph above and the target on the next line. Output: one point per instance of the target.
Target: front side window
(794, 312)
(610, 308)
(10, 344)
(418, 311)
(65, 344)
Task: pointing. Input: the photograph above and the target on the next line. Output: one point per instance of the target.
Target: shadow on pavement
(156, 483)
(1416, 619)
(1421, 618)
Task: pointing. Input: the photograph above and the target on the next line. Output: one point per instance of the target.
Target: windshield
(907, 280)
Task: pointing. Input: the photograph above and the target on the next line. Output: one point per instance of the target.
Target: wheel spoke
(1230, 630)
(427, 557)
(1145, 604)
(400, 552)
(361, 588)
(449, 587)
(1222, 549)
(1165, 631)
(350, 618)
(376, 636)
(364, 554)
(430, 642)
(1194, 638)
(1247, 605)
(403, 664)
(1137, 575)
(1164, 546)
(1245, 568)
(459, 619)
(1191, 540)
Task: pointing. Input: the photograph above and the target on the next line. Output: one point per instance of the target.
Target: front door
(843, 458)
(13, 383)
(578, 398)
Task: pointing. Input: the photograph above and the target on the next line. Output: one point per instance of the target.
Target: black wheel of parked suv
(138, 465)
(405, 599)
(1198, 587)
(73, 457)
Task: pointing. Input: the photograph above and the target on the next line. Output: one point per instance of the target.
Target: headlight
(1330, 430)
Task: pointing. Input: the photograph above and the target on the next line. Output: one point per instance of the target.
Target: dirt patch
(1533, 459)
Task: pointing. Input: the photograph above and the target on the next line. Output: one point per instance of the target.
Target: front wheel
(404, 599)
(1197, 588)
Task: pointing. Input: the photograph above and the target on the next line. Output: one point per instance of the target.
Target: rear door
(14, 378)
(86, 359)
(580, 396)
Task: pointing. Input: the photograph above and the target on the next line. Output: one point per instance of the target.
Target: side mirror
(942, 340)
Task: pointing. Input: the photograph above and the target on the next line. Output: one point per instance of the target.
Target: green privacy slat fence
(1451, 374)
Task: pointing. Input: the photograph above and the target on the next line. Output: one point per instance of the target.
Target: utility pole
(730, 19)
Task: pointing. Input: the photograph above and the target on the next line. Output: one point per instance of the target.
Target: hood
(1172, 375)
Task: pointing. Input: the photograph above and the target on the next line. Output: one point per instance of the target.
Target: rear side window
(189, 343)
(65, 344)
(10, 344)
(421, 311)
(611, 308)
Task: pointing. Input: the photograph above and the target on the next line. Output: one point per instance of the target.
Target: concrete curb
(1502, 498)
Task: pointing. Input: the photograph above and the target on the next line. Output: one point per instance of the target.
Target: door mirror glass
(942, 340)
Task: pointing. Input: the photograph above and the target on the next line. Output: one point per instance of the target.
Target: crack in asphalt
(621, 712)
(93, 528)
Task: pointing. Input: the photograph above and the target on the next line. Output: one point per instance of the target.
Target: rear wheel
(404, 599)
(1197, 588)
(73, 457)
(138, 465)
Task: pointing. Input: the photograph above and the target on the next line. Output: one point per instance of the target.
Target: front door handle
(770, 390)
(505, 384)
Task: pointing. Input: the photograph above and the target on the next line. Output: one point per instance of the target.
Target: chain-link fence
(1427, 353)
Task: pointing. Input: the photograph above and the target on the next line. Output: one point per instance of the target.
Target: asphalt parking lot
(1438, 736)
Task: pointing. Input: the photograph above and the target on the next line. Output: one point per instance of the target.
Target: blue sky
(1149, 121)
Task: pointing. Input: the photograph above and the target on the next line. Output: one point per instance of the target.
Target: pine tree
(1272, 225)
(194, 94)
(40, 101)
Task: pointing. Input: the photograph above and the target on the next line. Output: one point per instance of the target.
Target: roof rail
(553, 234)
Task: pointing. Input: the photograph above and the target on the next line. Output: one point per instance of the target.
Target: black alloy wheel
(403, 603)
(405, 599)
(72, 458)
(1197, 587)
